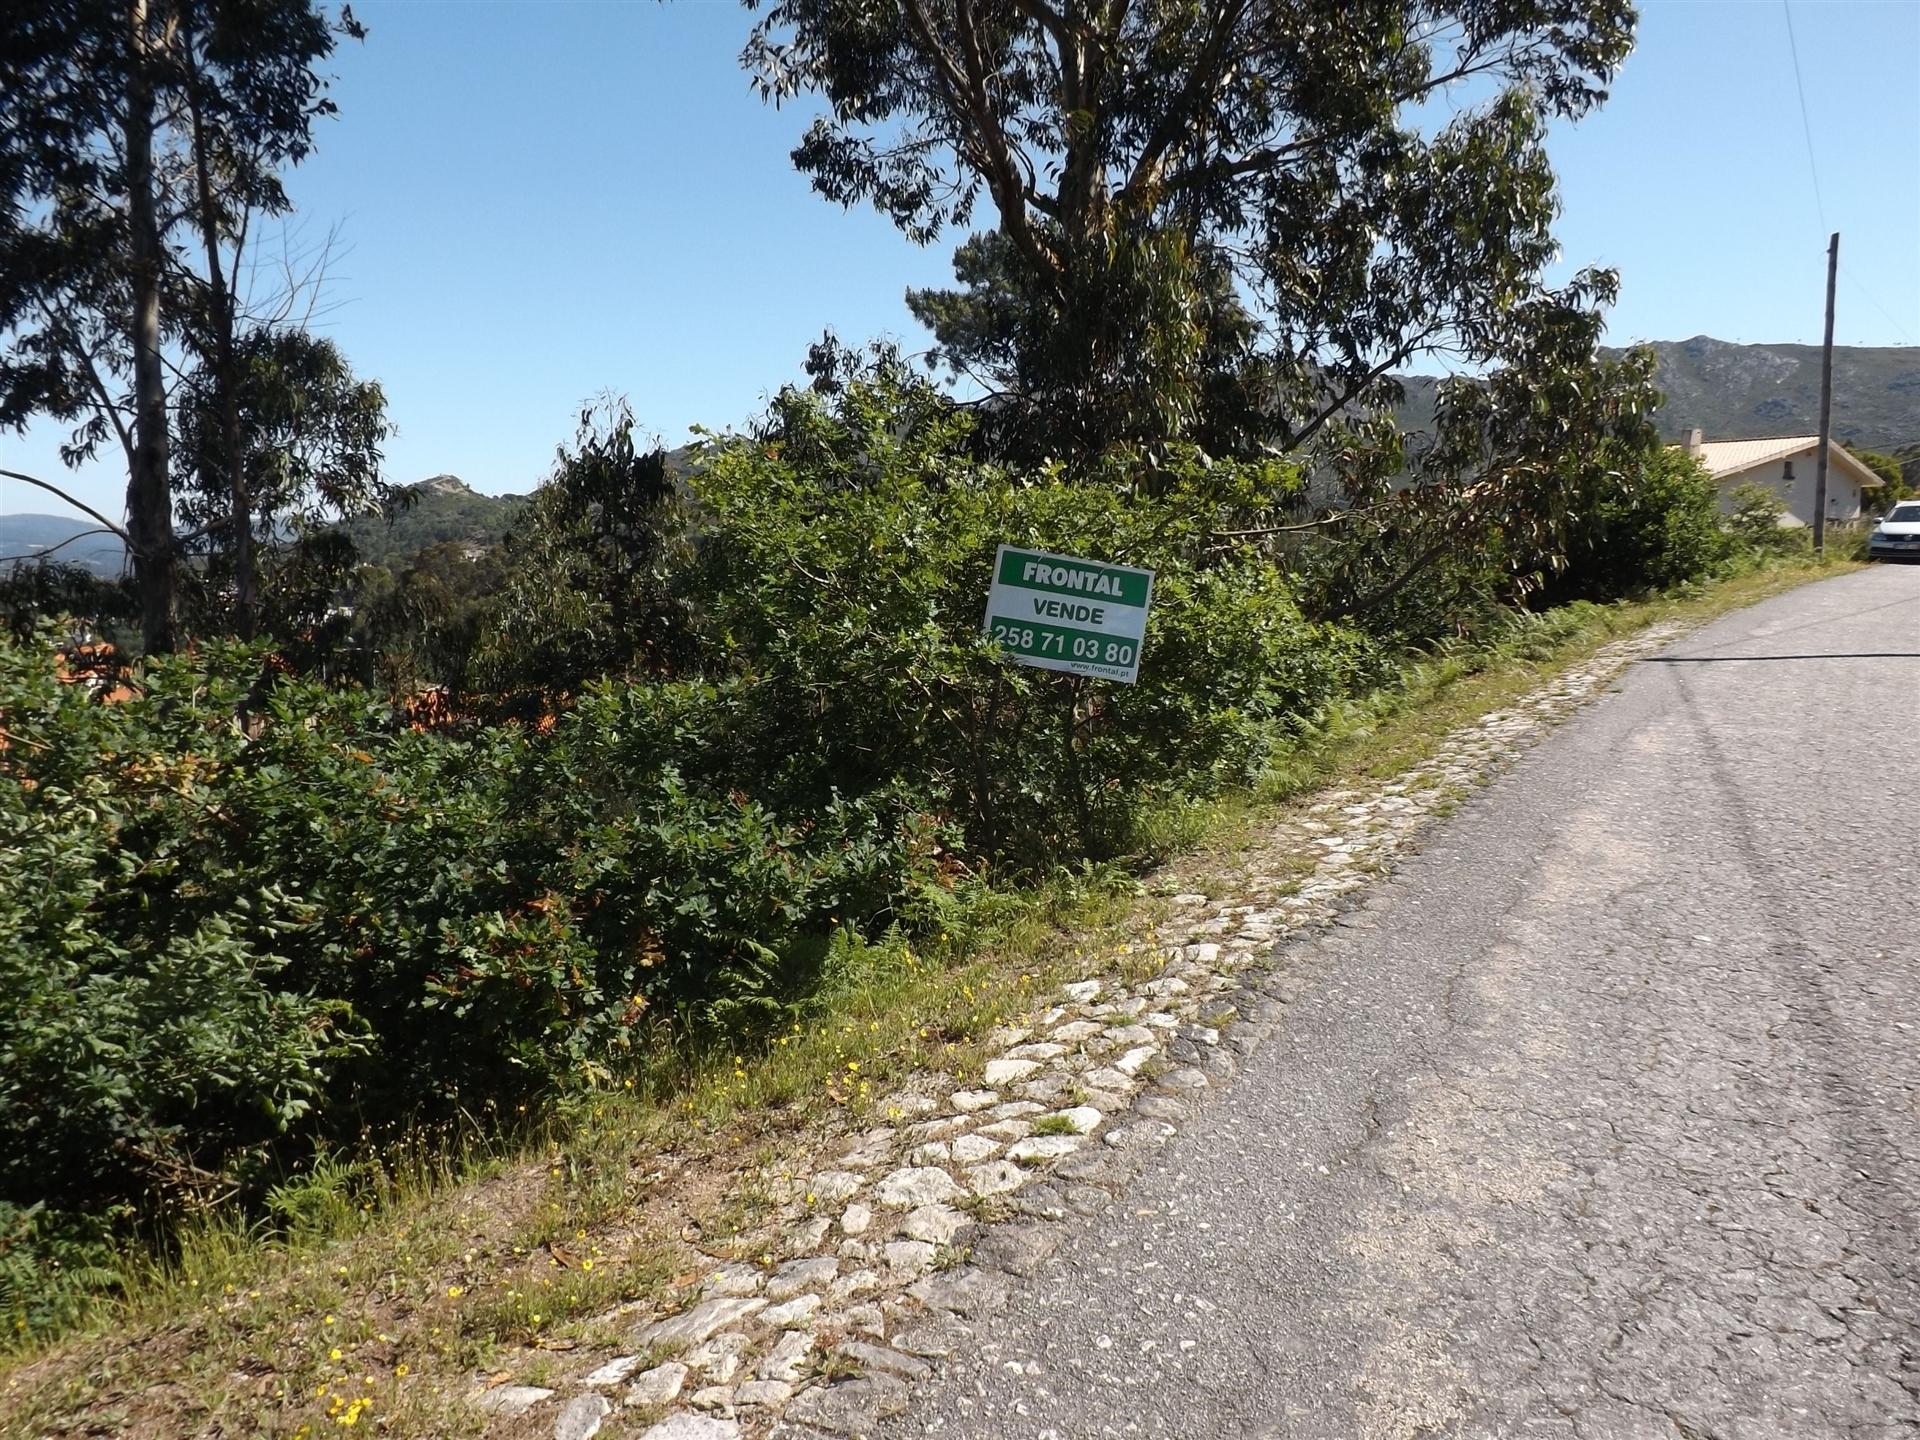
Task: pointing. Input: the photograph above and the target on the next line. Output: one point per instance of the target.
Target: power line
(1813, 169)
(1873, 300)
(1806, 127)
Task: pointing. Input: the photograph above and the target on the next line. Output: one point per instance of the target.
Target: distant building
(1786, 465)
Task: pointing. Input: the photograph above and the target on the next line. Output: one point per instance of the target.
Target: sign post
(1058, 612)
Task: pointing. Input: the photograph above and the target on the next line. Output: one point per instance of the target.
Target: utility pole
(1826, 406)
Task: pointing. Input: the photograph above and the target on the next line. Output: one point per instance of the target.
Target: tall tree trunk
(246, 603)
(149, 496)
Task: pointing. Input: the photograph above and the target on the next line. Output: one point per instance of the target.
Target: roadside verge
(801, 1235)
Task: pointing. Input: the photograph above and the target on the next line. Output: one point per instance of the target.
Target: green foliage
(588, 572)
(31, 591)
(851, 545)
(228, 938)
(1508, 491)
(312, 433)
(1894, 485)
(1150, 346)
(1220, 225)
(440, 511)
(145, 1025)
(1648, 522)
(1908, 457)
(53, 1267)
(137, 149)
(1754, 521)
(419, 624)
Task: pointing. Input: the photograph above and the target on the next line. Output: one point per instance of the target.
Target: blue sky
(539, 202)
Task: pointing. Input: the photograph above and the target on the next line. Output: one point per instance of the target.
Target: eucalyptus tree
(132, 132)
(309, 434)
(1221, 220)
(249, 93)
(81, 254)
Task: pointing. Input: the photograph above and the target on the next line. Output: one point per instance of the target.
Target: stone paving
(913, 1231)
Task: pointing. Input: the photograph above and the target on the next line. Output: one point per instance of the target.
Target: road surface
(1598, 1120)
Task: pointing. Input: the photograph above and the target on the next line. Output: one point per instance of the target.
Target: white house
(1785, 465)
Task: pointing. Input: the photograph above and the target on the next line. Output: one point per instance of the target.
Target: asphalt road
(1600, 1119)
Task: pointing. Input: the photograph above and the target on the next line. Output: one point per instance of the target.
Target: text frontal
(1063, 613)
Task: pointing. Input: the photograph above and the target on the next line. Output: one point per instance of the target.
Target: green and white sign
(1063, 613)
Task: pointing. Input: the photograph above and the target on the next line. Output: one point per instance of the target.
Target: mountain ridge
(1753, 392)
(1731, 391)
(1748, 392)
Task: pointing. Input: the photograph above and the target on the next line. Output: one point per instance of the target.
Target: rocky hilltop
(1736, 392)
(1744, 392)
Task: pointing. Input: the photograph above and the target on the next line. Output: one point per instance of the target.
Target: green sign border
(1135, 585)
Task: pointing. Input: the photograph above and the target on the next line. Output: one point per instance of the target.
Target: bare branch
(42, 554)
(86, 509)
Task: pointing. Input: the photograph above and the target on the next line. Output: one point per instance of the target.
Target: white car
(1897, 536)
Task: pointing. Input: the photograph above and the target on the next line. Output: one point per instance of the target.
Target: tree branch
(1399, 357)
(1269, 157)
(1203, 82)
(86, 509)
(995, 157)
(1334, 518)
(42, 554)
(84, 355)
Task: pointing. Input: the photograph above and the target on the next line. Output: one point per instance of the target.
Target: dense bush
(1755, 522)
(1649, 521)
(1395, 585)
(848, 566)
(230, 922)
(242, 915)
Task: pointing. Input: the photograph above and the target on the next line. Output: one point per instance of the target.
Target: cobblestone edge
(909, 1234)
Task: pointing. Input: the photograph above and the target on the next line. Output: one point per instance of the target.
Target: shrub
(1401, 590)
(849, 557)
(146, 1038)
(228, 933)
(1652, 522)
(1754, 522)
(53, 1267)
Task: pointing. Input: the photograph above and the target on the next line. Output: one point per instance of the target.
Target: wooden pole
(1826, 406)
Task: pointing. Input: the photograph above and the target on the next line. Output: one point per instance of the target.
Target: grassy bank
(384, 1288)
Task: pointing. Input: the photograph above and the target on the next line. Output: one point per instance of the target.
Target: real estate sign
(1059, 612)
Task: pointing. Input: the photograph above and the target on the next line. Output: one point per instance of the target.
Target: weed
(833, 1365)
(1137, 966)
(984, 1209)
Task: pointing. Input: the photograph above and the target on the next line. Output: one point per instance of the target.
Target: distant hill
(1745, 392)
(26, 537)
(1740, 392)
(434, 511)
(441, 508)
